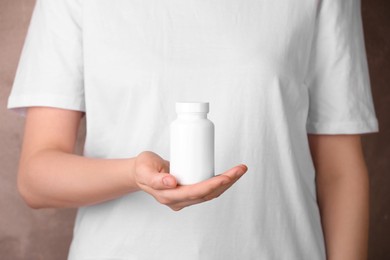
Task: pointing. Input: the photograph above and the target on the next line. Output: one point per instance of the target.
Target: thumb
(162, 181)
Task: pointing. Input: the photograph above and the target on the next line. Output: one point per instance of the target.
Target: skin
(343, 198)
(52, 176)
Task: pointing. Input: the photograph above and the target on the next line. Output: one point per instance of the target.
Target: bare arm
(342, 187)
(51, 175)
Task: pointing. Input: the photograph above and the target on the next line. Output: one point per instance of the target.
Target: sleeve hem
(353, 127)
(19, 103)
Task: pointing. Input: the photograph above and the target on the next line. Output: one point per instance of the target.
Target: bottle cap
(192, 107)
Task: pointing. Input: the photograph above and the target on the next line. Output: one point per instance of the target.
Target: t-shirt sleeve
(50, 70)
(340, 99)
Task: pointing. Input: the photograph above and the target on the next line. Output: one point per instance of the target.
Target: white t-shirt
(272, 71)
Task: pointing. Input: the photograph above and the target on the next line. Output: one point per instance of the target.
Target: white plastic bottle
(192, 143)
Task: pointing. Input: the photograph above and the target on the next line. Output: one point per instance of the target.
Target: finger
(182, 204)
(235, 172)
(224, 179)
(218, 192)
(213, 186)
(210, 196)
(234, 176)
(158, 181)
(152, 171)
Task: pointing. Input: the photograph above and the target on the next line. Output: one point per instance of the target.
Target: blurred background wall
(46, 234)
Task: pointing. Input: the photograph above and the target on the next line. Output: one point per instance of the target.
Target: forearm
(343, 203)
(50, 175)
(342, 188)
(52, 178)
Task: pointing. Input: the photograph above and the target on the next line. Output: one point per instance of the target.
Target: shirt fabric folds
(273, 71)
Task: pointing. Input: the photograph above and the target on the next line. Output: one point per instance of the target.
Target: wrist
(130, 167)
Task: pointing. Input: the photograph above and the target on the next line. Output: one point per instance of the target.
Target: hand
(152, 176)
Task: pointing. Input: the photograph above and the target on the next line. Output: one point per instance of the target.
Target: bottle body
(192, 146)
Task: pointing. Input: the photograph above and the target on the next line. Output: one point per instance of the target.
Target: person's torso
(248, 58)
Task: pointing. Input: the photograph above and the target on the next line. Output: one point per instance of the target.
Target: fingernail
(244, 167)
(240, 173)
(167, 181)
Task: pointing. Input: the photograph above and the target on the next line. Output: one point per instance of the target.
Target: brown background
(46, 234)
